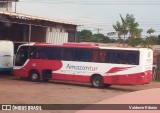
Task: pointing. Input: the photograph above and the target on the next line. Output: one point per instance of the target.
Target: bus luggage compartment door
(47, 74)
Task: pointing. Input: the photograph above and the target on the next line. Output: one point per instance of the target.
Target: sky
(95, 14)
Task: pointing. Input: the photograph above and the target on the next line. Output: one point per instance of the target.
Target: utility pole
(30, 33)
(7, 5)
(98, 29)
(15, 6)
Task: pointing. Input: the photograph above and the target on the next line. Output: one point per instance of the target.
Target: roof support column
(30, 33)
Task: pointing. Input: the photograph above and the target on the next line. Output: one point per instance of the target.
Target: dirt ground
(16, 91)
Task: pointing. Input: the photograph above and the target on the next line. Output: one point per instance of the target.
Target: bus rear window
(122, 57)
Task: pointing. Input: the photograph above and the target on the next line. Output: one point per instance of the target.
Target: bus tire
(34, 76)
(97, 81)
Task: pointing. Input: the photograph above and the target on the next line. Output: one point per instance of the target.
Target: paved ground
(16, 91)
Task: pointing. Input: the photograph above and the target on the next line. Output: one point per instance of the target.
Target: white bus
(84, 62)
(6, 55)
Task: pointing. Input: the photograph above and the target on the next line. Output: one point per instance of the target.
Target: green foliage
(87, 36)
(113, 41)
(132, 26)
(158, 40)
(153, 39)
(150, 31)
(120, 29)
(121, 41)
(146, 43)
(128, 26)
(84, 35)
(100, 38)
(134, 42)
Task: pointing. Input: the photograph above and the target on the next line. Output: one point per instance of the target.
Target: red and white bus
(84, 62)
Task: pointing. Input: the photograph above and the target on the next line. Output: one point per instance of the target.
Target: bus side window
(102, 56)
(95, 54)
(68, 54)
(42, 53)
(33, 52)
(83, 55)
(57, 54)
(121, 57)
(112, 57)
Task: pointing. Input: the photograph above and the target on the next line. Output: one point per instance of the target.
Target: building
(6, 5)
(22, 28)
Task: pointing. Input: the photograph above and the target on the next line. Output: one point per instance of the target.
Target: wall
(4, 6)
(9, 31)
(38, 34)
(56, 35)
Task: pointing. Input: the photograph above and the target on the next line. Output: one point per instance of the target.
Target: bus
(6, 55)
(84, 62)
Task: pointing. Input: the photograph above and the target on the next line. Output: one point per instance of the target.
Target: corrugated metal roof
(35, 17)
(9, 0)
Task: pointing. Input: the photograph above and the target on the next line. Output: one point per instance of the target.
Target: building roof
(30, 19)
(9, 0)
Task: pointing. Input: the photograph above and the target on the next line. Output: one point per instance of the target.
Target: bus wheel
(97, 81)
(34, 76)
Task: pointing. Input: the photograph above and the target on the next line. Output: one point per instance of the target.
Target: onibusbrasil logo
(20, 107)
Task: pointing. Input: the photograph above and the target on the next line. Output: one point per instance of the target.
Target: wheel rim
(96, 82)
(34, 76)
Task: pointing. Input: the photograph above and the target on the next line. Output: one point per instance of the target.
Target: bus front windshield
(21, 56)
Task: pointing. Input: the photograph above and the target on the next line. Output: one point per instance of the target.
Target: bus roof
(66, 45)
(83, 45)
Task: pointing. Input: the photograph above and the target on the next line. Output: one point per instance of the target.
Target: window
(83, 55)
(95, 55)
(71, 54)
(122, 57)
(68, 54)
(21, 56)
(33, 52)
(48, 53)
(102, 56)
(56, 55)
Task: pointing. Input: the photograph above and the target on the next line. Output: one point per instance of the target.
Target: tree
(118, 28)
(130, 28)
(152, 39)
(124, 27)
(100, 38)
(146, 42)
(158, 40)
(150, 31)
(87, 36)
(134, 41)
(113, 41)
(84, 35)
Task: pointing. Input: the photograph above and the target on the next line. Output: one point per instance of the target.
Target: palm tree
(124, 27)
(118, 29)
(129, 26)
(132, 26)
(136, 33)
